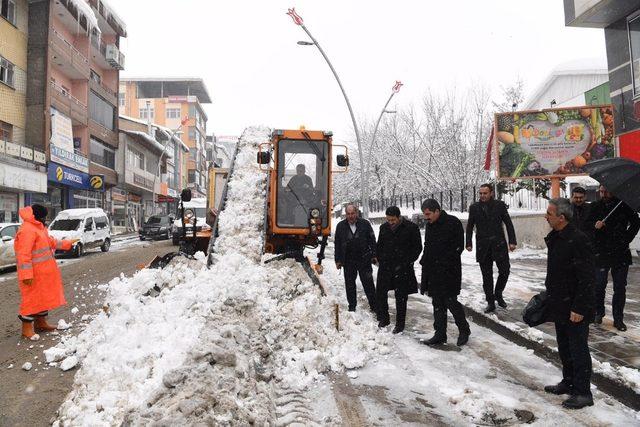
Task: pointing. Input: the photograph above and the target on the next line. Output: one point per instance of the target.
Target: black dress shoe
(501, 302)
(435, 340)
(383, 323)
(352, 309)
(397, 329)
(598, 319)
(619, 325)
(578, 401)
(490, 308)
(463, 338)
(560, 388)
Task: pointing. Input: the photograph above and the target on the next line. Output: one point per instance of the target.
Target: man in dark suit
(399, 246)
(355, 250)
(580, 208)
(570, 305)
(487, 216)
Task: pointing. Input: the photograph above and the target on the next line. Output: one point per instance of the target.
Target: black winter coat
(581, 217)
(611, 243)
(397, 251)
(570, 275)
(487, 218)
(441, 265)
(355, 248)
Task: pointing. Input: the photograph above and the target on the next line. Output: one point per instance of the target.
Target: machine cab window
(303, 182)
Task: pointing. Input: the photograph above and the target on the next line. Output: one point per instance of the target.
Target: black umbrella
(620, 176)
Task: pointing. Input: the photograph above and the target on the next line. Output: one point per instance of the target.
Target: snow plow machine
(298, 167)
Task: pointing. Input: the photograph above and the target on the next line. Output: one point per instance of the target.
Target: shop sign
(172, 193)
(135, 198)
(73, 178)
(553, 143)
(69, 158)
(26, 153)
(39, 157)
(61, 131)
(23, 179)
(12, 149)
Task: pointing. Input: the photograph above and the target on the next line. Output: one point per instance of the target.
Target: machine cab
(299, 199)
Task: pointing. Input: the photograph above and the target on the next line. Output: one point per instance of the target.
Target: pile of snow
(238, 343)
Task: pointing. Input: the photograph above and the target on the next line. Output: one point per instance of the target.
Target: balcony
(597, 13)
(106, 55)
(106, 135)
(67, 58)
(105, 92)
(68, 105)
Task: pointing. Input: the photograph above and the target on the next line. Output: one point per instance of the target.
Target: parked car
(8, 232)
(199, 208)
(89, 226)
(156, 227)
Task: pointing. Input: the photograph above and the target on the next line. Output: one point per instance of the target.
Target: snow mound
(239, 343)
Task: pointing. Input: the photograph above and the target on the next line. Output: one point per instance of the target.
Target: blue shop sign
(73, 178)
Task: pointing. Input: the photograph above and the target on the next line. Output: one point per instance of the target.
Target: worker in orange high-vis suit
(38, 274)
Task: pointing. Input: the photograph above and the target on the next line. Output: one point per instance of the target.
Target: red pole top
(296, 18)
(397, 86)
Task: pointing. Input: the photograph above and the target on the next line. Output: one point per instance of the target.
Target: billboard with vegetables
(557, 142)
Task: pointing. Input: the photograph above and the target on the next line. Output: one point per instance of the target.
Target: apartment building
(74, 61)
(175, 103)
(22, 168)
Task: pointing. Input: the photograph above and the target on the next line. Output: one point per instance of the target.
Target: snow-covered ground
(251, 343)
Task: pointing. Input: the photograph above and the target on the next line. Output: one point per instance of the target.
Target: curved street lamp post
(365, 202)
(298, 21)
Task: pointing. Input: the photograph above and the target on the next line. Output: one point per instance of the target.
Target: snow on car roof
(6, 224)
(79, 213)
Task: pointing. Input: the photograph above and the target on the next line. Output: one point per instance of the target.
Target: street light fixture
(365, 200)
(299, 22)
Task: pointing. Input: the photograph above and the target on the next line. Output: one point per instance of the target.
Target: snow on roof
(85, 9)
(163, 129)
(151, 141)
(78, 213)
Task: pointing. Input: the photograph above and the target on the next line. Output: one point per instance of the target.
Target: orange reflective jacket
(35, 251)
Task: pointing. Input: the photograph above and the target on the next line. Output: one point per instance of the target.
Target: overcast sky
(247, 54)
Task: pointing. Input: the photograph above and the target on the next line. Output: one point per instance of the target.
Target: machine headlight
(315, 213)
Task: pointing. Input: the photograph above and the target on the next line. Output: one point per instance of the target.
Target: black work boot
(438, 338)
(578, 401)
(619, 325)
(598, 319)
(463, 337)
(398, 328)
(501, 302)
(490, 308)
(384, 323)
(560, 388)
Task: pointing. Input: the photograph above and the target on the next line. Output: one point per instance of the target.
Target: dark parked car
(156, 227)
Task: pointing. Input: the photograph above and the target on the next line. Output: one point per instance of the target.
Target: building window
(6, 131)
(135, 158)
(193, 153)
(191, 177)
(121, 99)
(192, 133)
(102, 154)
(152, 166)
(144, 115)
(634, 42)
(173, 113)
(96, 77)
(8, 10)
(101, 111)
(6, 71)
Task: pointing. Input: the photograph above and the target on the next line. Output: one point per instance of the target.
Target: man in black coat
(399, 246)
(611, 240)
(442, 271)
(570, 304)
(487, 217)
(580, 209)
(355, 250)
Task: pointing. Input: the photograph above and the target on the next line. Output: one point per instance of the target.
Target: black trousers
(351, 271)
(383, 305)
(486, 267)
(573, 347)
(619, 275)
(440, 307)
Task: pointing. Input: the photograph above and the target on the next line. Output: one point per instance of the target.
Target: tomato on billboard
(556, 142)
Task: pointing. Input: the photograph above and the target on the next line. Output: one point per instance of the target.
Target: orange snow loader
(298, 203)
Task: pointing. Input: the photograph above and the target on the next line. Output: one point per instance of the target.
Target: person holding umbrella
(614, 225)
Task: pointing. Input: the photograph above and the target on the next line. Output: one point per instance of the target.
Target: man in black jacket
(611, 240)
(355, 250)
(442, 271)
(399, 246)
(487, 217)
(570, 304)
(580, 209)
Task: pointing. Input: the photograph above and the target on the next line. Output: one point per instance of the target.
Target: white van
(89, 226)
(199, 207)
